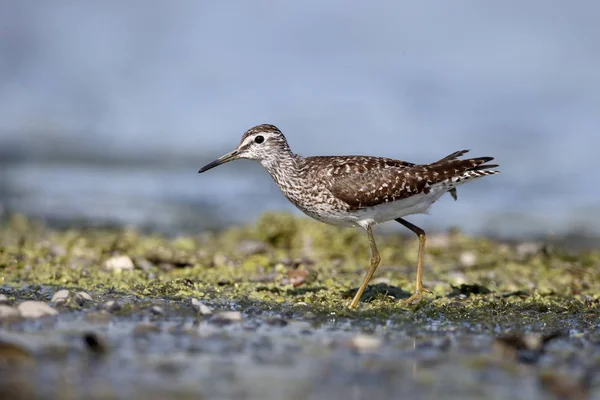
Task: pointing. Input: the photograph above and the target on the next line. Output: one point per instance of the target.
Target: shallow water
(287, 353)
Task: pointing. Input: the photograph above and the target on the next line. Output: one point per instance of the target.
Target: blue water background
(108, 109)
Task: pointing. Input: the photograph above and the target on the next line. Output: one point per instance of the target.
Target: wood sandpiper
(358, 190)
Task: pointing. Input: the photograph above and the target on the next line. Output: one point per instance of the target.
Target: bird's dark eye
(259, 139)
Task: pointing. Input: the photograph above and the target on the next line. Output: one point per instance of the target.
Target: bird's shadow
(379, 290)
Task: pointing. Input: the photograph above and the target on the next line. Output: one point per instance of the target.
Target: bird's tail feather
(458, 170)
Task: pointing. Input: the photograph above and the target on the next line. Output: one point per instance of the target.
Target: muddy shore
(259, 312)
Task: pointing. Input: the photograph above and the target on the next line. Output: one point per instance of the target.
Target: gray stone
(226, 317)
(61, 296)
(82, 297)
(202, 308)
(8, 311)
(35, 309)
(363, 343)
(157, 310)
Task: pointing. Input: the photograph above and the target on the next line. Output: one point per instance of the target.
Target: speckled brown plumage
(374, 181)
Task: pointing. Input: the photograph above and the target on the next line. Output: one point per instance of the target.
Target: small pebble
(226, 317)
(83, 297)
(8, 311)
(310, 315)
(35, 309)
(202, 308)
(119, 263)
(297, 277)
(468, 259)
(61, 296)
(3, 298)
(157, 310)
(364, 343)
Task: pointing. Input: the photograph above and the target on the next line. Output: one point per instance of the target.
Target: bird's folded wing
(375, 181)
(378, 186)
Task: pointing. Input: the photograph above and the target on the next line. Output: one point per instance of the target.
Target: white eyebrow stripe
(247, 141)
(250, 138)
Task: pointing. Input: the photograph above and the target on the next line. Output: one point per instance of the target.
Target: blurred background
(108, 109)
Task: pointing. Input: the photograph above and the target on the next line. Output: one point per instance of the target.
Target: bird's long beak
(221, 160)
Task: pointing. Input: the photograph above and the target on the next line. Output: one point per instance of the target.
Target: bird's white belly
(417, 204)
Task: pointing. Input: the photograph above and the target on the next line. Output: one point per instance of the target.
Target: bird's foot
(417, 295)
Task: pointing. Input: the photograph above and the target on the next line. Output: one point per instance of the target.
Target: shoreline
(270, 299)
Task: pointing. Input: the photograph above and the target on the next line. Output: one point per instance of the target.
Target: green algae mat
(260, 312)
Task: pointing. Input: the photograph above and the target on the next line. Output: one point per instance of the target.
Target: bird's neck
(283, 166)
